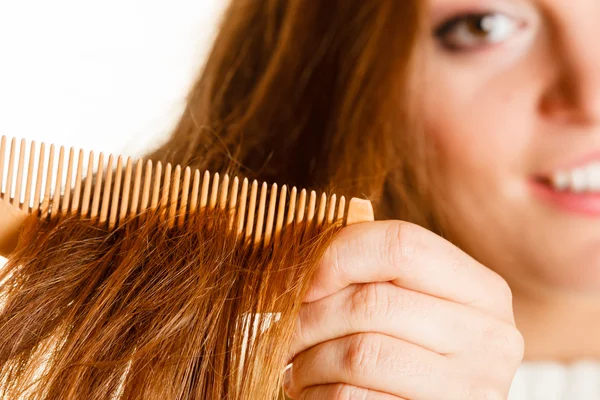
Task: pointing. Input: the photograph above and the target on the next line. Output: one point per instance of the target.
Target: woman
(474, 123)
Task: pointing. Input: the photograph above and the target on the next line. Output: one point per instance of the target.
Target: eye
(471, 31)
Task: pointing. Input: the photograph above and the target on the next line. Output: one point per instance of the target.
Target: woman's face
(513, 104)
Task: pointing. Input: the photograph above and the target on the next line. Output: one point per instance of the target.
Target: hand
(397, 312)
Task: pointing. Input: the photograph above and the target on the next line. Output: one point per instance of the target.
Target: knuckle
(369, 302)
(302, 363)
(348, 392)
(333, 258)
(504, 341)
(362, 354)
(513, 344)
(400, 241)
(499, 298)
(501, 290)
(518, 345)
(483, 392)
(303, 322)
(455, 259)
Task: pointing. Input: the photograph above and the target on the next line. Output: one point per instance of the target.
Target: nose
(575, 99)
(574, 95)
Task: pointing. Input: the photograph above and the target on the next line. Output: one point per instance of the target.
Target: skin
(397, 312)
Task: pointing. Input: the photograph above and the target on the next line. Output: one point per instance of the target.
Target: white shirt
(555, 381)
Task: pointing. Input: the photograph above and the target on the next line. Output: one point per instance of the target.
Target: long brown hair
(315, 94)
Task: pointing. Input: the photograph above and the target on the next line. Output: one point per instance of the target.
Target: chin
(574, 271)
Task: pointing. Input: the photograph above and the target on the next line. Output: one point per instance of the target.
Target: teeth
(594, 180)
(561, 180)
(584, 179)
(579, 180)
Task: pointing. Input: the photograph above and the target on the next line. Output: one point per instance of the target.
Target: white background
(106, 75)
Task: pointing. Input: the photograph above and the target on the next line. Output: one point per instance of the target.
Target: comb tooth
(114, 194)
(322, 207)
(301, 207)
(46, 200)
(195, 191)
(242, 207)
(204, 192)
(280, 211)
(311, 210)
(185, 191)
(87, 189)
(29, 182)
(341, 208)
(312, 204)
(137, 182)
(58, 183)
(251, 209)
(359, 210)
(331, 209)
(214, 191)
(116, 191)
(233, 200)
(261, 213)
(174, 193)
(106, 191)
(224, 190)
(126, 189)
(146, 189)
(19, 181)
(292, 206)
(67, 196)
(97, 187)
(11, 167)
(38, 183)
(2, 153)
(156, 186)
(21, 164)
(78, 182)
(164, 200)
(270, 215)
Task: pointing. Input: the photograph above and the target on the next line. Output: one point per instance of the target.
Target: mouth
(575, 190)
(582, 179)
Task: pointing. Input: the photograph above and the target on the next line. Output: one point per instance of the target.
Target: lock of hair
(111, 196)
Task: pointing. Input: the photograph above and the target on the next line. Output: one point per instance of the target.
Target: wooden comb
(57, 185)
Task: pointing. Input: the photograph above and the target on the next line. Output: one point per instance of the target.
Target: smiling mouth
(575, 193)
(580, 180)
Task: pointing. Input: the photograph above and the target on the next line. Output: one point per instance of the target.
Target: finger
(412, 257)
(340, 391)
(372, 361)
(429, 322)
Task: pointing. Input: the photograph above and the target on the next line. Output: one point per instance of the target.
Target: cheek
(480, 128)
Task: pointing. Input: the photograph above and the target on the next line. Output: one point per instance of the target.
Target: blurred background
(106, 76)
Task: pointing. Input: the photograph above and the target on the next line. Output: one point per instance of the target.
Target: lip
(585, 203)
(573, 163)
